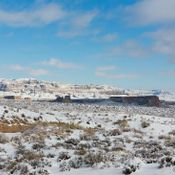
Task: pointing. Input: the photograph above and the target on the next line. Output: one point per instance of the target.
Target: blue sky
(129, 44)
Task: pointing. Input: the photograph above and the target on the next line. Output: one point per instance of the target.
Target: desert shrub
(6, 111)
(58, 145)
(43, 172)
(40, 163)
(35, 164)
(150, 151)
(63, 156)
(145, 124)
(87, 137)
(80, 152)
(126, 129)
(24, 170)
(161, 137)
(118, 148)
(129, 169)
(166, 162)
(11, 166)
(3, 139)
(50, 155)
(101, 144)
(2, 166)
(137, 131)
(76, 162)
(114, 132)
(92, 159)
(30, 155)
(23, 115)
(172, 133)
(20, 150)
(83, 146)
(99, 126)
(122, 123)
(15, 168)
(131, 166)
(170, 143)
(38, 146)
(64, 166)
(16, 140)
(72, 141)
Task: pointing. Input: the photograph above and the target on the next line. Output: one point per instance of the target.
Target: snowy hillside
(49, 90)
(163, 95)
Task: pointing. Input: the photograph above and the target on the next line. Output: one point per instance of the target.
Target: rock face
(3, 87)
(139, 100)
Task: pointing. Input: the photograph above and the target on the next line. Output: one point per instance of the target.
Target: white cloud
(145, 12)
(83, 20)
(130, 48)
(46, 13)
(43, 15)
(60, 64)
(106, 68)
(163, 42)
(105, 72)
(170, 73)
(109, 37)
(115, 76)
(72, 23)
(77, 24)
(38, 72)
(28, 70)
(70, 34)
(16, 67)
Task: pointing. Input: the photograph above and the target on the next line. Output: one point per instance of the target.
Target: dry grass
(13, 128)
(16, 120)
(137, 131)
(118, 149)
(30, 155)
(90, 131)
(21, 126)
(122, 123)
(80, 152)
(64, 125)
(11, 165)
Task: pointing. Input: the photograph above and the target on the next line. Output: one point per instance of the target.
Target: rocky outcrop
(139, 100)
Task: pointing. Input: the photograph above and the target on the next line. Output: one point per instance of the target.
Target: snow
(146, 170)
(98, 122)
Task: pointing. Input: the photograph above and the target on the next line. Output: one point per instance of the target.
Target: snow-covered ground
(52, 138)
(40, 137)
(146, 170)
